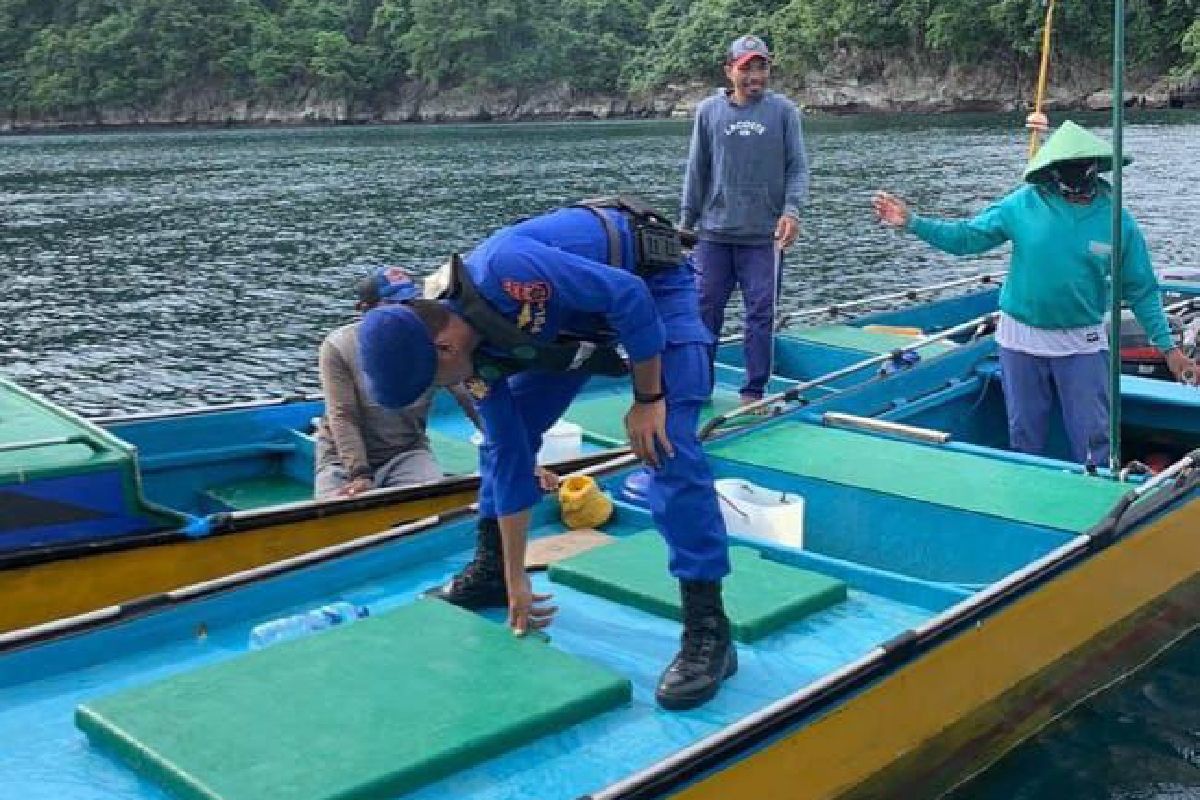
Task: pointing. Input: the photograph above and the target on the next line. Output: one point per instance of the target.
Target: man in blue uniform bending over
(530, 314)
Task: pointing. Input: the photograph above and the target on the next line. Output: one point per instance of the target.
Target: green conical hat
(1069, 143)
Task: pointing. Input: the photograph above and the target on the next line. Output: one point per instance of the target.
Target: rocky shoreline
(848, 85)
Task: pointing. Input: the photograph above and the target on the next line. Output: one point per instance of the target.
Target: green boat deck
(1009, 490)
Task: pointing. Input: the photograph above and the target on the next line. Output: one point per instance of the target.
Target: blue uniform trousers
(1080, 383)
(683, 502)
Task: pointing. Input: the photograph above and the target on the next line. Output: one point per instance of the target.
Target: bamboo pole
(1043, 75)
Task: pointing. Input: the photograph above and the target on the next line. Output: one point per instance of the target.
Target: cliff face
(847, 84)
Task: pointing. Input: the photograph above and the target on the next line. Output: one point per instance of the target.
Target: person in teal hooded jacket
(1052, 333)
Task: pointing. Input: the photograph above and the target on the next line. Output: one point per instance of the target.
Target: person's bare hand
(1037, 121)
(547, 480)
(646, 426)
(1183, 368)
(357, 486)
(786, 231)
(527, 611)
(890, 209)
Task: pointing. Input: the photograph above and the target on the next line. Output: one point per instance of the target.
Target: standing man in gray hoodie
(746, 179)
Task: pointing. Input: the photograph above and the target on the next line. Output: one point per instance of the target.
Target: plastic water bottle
(297, 625)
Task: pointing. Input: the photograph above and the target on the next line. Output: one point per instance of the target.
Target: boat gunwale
(244, 405)
(225, 523)
(139, 606)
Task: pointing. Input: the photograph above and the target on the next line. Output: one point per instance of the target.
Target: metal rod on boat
(35, 444)
(1114, 325)
(906, 294)
(625, 459)
(837, 419)
(1192, 459)
(795, 392)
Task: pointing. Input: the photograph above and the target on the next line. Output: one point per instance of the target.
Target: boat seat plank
(850, 337)
(260, 492)
(373, 709)
(761, 596)
(1009, 490)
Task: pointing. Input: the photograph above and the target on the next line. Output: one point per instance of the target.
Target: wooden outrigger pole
(1114, 336)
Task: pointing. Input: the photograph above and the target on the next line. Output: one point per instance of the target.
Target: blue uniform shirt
(550, 274)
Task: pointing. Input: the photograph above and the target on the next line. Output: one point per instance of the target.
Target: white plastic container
(764, 513)
(562, 442)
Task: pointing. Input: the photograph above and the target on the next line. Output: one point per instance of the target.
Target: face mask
(1076, 180)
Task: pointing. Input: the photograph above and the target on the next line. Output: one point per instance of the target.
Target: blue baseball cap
(396, 355)
(386, 285)
(746, 48)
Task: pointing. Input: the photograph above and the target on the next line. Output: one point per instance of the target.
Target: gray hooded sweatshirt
(746, 168)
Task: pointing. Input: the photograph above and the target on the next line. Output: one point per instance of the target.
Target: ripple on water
(184, 254)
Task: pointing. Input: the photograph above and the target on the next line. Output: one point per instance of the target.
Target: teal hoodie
(1059, 272)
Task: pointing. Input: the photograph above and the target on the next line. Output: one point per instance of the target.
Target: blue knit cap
(396, 354)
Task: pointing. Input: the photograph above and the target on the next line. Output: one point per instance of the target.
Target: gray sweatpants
(404, 469)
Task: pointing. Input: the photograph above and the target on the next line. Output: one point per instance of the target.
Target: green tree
(68, 56)
(1191, 49)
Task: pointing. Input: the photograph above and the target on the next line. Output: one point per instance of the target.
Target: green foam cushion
(1019, 492)
(760, 595)
(372, 709)
(850, 337)
(261, 492)
(603, 417)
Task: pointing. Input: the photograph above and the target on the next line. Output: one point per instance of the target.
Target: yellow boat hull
(38, 593)
(940, 719)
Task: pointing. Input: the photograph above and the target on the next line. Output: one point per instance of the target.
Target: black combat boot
(707, 656)
(481, 584)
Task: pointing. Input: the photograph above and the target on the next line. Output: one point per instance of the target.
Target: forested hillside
(63, 56)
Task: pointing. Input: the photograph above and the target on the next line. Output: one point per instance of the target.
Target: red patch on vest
(537, 292)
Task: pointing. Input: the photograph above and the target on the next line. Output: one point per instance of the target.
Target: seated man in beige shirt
(361, 445)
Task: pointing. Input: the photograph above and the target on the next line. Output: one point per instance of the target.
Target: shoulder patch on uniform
(527, 291)
(532, 295)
